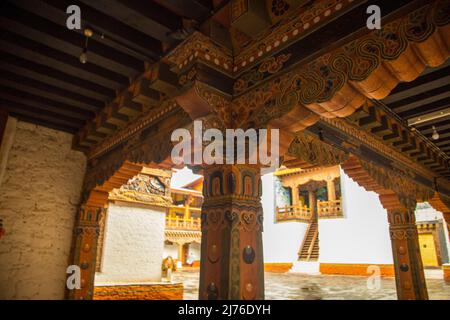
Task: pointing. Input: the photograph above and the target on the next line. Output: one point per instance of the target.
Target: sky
(183, 177)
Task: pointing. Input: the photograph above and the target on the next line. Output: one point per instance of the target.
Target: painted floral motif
(269, 66)
(279, 7)
(274, 64)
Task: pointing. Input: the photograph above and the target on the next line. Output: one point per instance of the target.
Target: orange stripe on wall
(169, 291)
(446, 269)
(277, 267)
(386, 270)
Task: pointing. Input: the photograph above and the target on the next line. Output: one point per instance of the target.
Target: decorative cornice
(152, 145)
(134, 127)
(313, 151)
(397, 190)
(356, 136)
(337, 83)
(333, 85)
(399, 182)
(301, 22)
(183, 236)
(144, 189)
(141, 198)
(199, 47)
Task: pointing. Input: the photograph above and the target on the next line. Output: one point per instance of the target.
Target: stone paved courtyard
(289, 286)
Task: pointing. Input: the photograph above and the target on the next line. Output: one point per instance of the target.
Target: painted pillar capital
(331, 190)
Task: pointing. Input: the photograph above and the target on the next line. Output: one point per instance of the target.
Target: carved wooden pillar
(331, 190)
(181, 253)
(187, 209)
(447, 220)
(312, 203)
(84, 251)
(232, 253)
(409, 274)
(295, 197)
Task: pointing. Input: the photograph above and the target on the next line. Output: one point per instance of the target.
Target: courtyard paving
(290, 286)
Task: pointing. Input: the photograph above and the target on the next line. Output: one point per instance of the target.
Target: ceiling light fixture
(435, 135)
(83, 56)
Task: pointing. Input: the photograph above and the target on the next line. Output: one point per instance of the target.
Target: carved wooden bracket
(312, 151)
(396, 190)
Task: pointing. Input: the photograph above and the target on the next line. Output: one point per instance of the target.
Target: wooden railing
(181, 223)
(329, 209)
(182, 209)
(293, 213)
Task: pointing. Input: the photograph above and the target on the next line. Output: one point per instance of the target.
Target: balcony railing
(181, 223)
(330, 209)
(182, 209)
(293, 213)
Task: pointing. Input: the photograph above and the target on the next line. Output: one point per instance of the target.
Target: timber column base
(232, 255)
(409, 274)
(84, 250)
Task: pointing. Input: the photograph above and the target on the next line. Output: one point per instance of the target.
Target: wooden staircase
(309, 251)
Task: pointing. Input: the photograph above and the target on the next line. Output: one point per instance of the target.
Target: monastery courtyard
(225, 150)
(295, 286)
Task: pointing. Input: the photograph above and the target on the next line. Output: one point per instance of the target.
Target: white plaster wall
(281, 241)
(427, 213)
(363, 236)
(170, 250)
(194, 248)
(38, 201)
(133, 245)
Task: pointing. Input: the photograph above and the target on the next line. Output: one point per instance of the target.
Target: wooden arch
(332, 85)
(398, 196)
(441, 203)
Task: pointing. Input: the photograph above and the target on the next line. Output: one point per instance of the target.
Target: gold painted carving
(143, 189)
(314, 151)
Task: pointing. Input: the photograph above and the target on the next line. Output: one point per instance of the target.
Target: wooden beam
(53, 35)
(163, 79)
(440, 124)
(145, 16)
(117, 34)
(61, 83)
(143, 94)
(421, 109)
(60, 94)
(418, 100)
(41, 103)
(128, 107)
(192, 9)
(44, 123)
(17, 108)
(28, 49)
(58, 75)
(427, 77)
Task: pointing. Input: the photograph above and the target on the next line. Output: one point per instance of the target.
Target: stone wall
(38, 200)
(133, 244)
